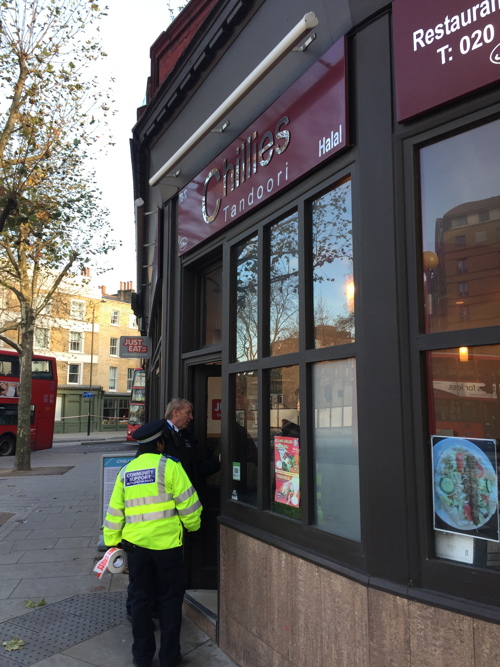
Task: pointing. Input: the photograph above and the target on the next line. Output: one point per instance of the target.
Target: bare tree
(52, 114)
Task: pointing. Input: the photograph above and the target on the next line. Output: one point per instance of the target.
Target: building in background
(82, 328)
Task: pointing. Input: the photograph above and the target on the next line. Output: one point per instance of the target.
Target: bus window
(137, 410)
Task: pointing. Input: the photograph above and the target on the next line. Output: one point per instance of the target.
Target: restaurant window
(284, 424)
(212, 307)
(335, 445)
(246, 300)
(464, 411)
(449, 183)
(284, 286)
(244, 438)
(463, 381)
(333, 267)
(115, 411)
(294, 445)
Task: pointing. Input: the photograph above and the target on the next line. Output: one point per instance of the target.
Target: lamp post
(91, 400)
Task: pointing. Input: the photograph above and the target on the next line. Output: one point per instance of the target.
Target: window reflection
(335, 443)
(284, 286)
(284, 421)
(247, 300)
(244, 439)
(464, 407)
(460, 195)
(212, 306)
(333, 267)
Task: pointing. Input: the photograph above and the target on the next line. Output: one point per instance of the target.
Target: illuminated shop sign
(443, 50)
(304, 127)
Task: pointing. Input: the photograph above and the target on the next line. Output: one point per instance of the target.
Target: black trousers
(156, 575)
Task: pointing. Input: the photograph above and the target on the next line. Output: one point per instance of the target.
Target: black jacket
(199, 463)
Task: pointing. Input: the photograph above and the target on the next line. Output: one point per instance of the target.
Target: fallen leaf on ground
(30, 604)
(14, 644)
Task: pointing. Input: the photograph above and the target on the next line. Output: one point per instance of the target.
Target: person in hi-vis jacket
(153, 501)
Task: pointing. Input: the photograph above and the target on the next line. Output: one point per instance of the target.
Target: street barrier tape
(114, 561)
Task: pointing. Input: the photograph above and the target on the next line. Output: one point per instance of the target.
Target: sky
(127, 34)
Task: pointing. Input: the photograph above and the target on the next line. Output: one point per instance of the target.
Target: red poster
(286, 471)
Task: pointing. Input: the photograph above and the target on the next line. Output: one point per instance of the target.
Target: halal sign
(135, 347)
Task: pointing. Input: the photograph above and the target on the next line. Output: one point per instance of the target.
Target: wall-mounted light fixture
(463, 353)
(286, 45)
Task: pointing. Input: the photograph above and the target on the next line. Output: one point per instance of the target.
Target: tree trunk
(23, 443)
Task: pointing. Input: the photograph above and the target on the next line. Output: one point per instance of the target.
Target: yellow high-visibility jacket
(151, 501)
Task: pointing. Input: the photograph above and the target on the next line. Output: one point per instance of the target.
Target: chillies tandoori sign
(301, 129)
(443, 49)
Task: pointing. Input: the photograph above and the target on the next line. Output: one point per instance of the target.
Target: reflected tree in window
(247, 300)
(284, 286)
(332, 259)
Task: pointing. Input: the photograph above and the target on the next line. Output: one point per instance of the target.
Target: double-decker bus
(43, 401)
(137, 410)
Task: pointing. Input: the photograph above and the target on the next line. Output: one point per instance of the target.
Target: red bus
(137, 410)
(43, 401)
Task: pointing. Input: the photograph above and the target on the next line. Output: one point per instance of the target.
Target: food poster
(465, 486)
(286, 471)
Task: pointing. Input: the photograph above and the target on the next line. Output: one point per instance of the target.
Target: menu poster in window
(465, 486)
(286, 471)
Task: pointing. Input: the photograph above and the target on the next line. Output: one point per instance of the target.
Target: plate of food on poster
(465, 486)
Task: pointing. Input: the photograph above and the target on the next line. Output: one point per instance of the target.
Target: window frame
(79, 366)
(80, 341)
(79, 306)
(46, 337)
(130, 379)
(302, 533)
(452, 578)
(113, 346)
(113, 379)
(115, 315)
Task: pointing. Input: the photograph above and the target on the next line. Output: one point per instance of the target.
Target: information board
(111, 465)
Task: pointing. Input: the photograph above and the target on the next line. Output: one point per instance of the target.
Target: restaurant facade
(317, 201)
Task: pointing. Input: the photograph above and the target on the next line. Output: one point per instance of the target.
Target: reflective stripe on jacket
(151, 501)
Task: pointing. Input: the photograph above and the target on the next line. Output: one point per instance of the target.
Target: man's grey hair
(176, 404)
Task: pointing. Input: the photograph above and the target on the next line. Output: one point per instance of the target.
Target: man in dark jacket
(179, 443)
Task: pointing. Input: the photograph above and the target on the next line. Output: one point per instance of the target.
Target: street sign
(88, 394)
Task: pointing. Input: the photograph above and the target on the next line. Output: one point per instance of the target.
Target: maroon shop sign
(443, 49)
(302, 129)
